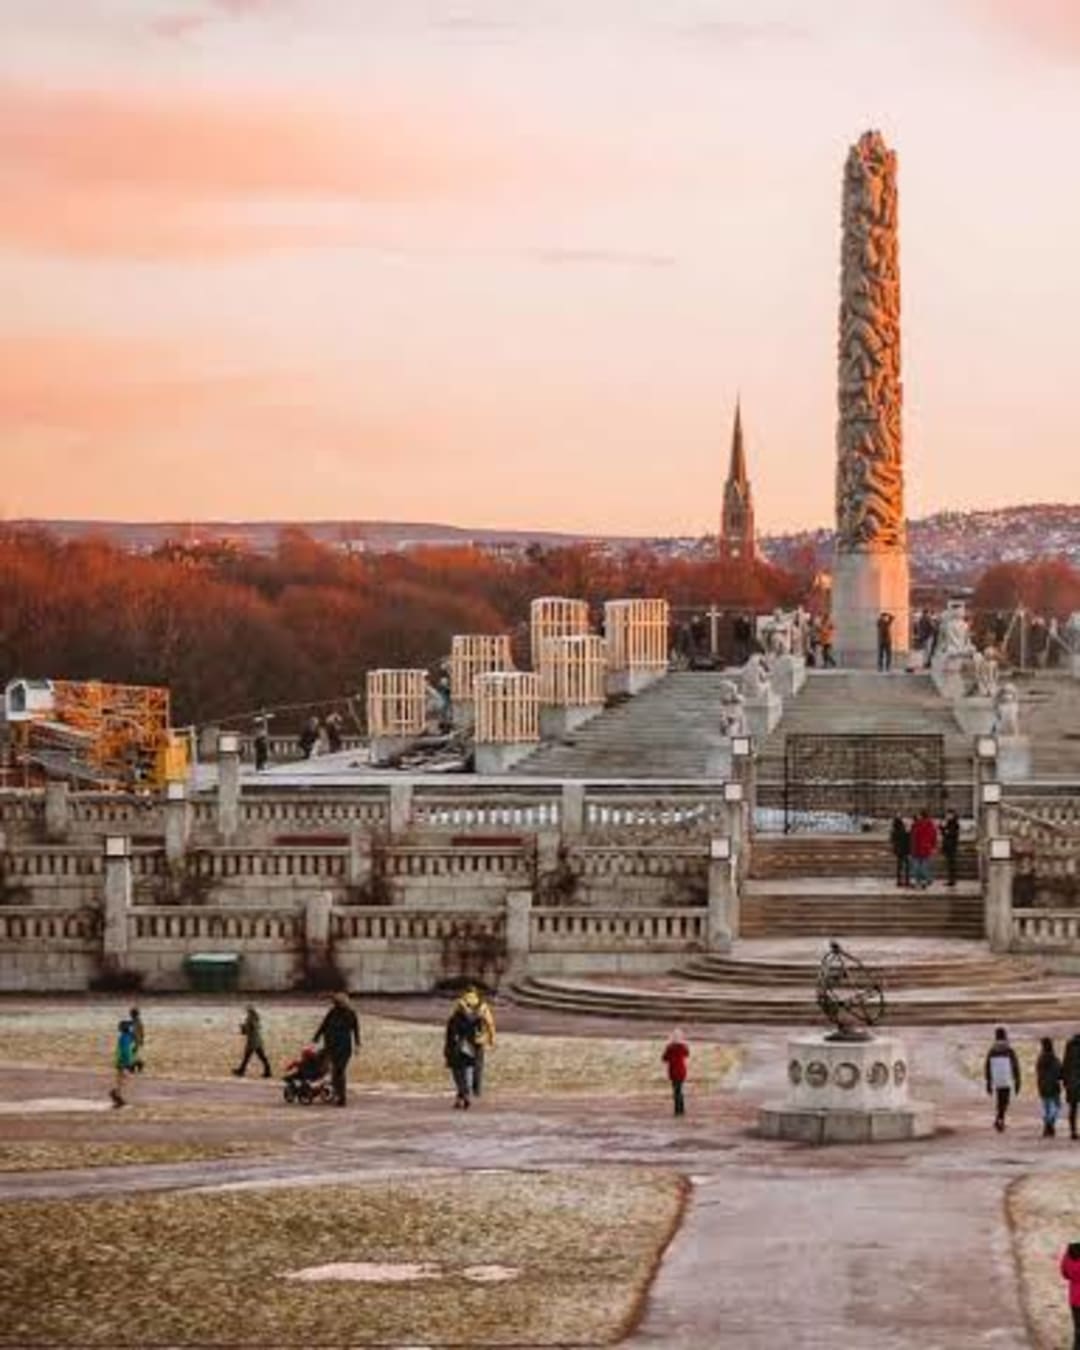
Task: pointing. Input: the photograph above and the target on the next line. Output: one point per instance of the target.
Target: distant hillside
(958, 546)
(951, 547)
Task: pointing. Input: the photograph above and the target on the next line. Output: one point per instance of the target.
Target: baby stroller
(307, 1078)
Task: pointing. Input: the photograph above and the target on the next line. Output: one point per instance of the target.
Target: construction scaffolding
(397, 702)
(507, 708)
(573, 672)
(552, 616)
(636, 633)
(473, 654)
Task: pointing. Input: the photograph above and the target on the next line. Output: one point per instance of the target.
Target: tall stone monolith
(871, 567)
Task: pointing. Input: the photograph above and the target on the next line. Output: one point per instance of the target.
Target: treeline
(1049, 587)
(231, 632)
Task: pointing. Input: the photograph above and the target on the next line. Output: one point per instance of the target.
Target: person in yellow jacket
(475, 1003)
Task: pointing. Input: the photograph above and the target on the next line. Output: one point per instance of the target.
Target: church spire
(737, 471)
(737, 522)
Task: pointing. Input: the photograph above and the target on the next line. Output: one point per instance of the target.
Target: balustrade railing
(518, 812)
(561, 930)
(258, 927)
(381, 926)
(47, 926)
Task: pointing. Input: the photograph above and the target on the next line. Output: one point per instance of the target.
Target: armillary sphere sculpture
(849, 995)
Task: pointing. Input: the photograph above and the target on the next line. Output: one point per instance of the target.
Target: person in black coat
(950, 845)
(1048, 1076)
(900, 840)
(459, 1051)
(1070, 1079)
(339, 1031)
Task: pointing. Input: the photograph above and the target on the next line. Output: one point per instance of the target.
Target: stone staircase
(663, 732)
(848, 703)
(939, 983)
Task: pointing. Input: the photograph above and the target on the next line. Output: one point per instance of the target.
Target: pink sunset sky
(507, 262)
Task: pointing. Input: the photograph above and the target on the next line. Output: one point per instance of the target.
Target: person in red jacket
(1070, 1270)
(675, 1055)
(924, 842)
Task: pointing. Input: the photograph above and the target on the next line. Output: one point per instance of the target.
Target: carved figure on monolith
(871, 575)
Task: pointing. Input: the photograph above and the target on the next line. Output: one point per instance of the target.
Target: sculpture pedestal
(846, 1092)
(975, 715)
(763, 713)
(865, 584)
(718, 758)
(1013, 758)
(788, 675)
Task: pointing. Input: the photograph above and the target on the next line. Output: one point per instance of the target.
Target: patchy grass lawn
(202, 1041)
(1044, 1212)
(46, 1155)
(198, 1268)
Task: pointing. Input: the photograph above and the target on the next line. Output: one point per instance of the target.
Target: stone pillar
(228, 799)
(737, 826)
(572, 809)
(57, 805)
(401, 795)
(997, 894)
(723, 923)
(317, 908)
(359, 857)
(518, 932)
(117, 898)
(871, 566)
(548, 843)
(177, 822)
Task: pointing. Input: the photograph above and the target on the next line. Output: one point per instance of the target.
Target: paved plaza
(895, 1245)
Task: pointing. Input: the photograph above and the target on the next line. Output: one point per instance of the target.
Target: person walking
(1048, 1077)
(478, 1005)
(261, 744)
(675, 1055)
(339, 1032)
(123, 1060)
(900, 840)
(1002, 1076)
(950, 845)
(884, 641)
(139, 1033)
(1070, 1080)
(459, 1050)
(1070, 1270)
(251, 1030)
(826, 636)
(924, 842)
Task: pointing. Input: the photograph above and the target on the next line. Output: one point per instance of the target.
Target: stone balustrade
(610, 814)
(71, 929)
(360, 924)
(522, 812)
(653, 930)
(193, 926)
(1046, 930)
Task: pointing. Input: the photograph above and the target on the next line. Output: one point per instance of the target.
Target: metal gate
(863, 777)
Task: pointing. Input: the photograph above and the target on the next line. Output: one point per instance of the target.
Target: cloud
(1051, 26)
(158, 174)
(182, 23)
(601, 257)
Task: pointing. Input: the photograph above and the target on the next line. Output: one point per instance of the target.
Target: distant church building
(737, 522)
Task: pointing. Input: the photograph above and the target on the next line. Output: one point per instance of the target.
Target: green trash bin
(213, 972)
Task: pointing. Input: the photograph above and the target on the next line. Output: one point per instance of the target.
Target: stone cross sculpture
(1007, 711)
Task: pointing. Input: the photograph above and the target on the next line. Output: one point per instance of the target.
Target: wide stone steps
(820, 908)
(1027, 1000)
(663, 732)
(976, 972)
(838, 855)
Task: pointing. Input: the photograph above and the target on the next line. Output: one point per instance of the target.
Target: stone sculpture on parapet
(732, 710)
(871, 572)
(764, 707)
